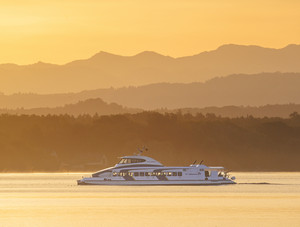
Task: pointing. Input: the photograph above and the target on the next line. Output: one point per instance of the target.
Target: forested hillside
(88, 143)
(282, 111)
(89, 106)
(99, 107)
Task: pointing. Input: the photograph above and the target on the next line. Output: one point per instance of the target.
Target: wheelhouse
(131, 160)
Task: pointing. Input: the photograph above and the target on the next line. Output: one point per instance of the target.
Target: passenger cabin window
(136, 174)
(131, 160)
(207, 173)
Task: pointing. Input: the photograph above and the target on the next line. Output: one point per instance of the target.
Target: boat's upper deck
(138, 164)
(137, 160)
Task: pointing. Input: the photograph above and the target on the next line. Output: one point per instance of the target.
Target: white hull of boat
(149, 183)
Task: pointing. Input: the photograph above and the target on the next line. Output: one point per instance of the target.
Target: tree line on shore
(88, 143)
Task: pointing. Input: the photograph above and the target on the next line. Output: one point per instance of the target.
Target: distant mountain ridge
(235, 90)
(106, 70)
(90, 106)
(99, 107)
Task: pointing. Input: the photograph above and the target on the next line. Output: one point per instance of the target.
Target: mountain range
(234, 90)
(104, 70)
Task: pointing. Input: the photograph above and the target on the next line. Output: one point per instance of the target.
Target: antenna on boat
(201, 162)
(141, 150)
(194, 162)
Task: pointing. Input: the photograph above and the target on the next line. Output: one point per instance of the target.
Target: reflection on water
(260, 199)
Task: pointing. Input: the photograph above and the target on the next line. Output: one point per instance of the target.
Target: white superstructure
(143, 170)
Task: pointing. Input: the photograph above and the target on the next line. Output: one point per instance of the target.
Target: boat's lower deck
(141, 182)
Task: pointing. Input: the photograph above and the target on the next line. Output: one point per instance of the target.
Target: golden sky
(59, 31)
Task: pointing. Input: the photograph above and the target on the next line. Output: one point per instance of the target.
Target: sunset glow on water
(54, 199)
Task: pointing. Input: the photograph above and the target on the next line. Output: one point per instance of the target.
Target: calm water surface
(44, 199)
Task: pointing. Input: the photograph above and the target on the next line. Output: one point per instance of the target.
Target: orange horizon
(61, 31)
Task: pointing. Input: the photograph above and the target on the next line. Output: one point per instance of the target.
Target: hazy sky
(59, 31)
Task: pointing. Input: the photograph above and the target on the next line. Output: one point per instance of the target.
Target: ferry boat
(143, 170)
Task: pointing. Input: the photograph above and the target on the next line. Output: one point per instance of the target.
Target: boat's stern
(230, 180)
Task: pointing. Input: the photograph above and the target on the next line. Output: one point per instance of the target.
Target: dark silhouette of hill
(90, 106)
(234, 90)
(282, 111)
(105, 69)
(86, 143)
(99, 107)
